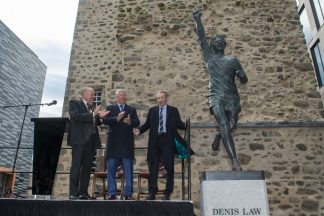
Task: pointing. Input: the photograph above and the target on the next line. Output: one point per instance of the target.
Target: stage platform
(51, 207)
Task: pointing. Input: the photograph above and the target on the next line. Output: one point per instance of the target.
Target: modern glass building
(22, 77)
(311, 14)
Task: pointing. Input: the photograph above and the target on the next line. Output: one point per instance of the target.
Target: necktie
(161, 121)
(93, 131)
(121, 108)
(89, 107)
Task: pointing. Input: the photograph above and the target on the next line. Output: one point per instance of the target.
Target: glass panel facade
(318, 9)
(318, 60)
(306, 26)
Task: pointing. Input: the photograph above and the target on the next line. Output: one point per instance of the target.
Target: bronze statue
(223, 96)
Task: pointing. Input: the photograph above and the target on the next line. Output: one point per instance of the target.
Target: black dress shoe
(150, 197)
(166, 197)
(129, 198)
(83, 197)
(86, 197)
(112, 197)
(72, 197)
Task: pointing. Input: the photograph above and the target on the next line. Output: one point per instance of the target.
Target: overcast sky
(46, 27)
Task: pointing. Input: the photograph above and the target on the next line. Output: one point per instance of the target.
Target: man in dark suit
(120, 143)
(84, 139)
(163, 121)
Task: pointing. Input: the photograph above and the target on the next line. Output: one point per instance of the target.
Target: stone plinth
(233, 193)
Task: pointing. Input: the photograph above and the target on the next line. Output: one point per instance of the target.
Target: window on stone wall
(297, 2)
(306, 26)
(98, 98)
(318, 10)
(318, 61)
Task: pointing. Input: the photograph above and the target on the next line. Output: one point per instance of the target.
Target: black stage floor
(36, 207)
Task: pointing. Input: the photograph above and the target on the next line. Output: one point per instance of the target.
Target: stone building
(145, 45)
(22, 77)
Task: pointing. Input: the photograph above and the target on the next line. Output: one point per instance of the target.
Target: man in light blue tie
(120, 143)
(163, 121)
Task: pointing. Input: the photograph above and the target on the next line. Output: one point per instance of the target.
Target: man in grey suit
(84, 139)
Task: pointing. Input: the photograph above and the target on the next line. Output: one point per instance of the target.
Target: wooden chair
(5, 181)
(145, 175)
(103, 176)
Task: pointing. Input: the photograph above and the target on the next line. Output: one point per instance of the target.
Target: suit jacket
(120, 136)
(173, 123)
(82, 123)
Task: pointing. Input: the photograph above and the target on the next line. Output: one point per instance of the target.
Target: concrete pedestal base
(233, 193)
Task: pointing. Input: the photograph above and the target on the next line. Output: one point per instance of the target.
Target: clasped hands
(99, 112)
(136, 131)
(126, 120)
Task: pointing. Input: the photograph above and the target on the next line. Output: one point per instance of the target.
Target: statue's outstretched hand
(196, 14)
(242, 76)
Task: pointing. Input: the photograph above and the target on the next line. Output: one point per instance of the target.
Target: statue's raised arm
(201, 33)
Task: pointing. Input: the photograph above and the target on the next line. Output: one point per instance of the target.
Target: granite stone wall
(292, 158)
(145, 45)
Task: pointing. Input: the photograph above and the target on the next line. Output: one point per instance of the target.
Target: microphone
(52, 103)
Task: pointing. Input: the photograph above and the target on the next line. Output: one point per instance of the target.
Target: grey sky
(46, 27)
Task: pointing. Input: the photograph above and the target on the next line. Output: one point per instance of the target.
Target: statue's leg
(225, 130)
(233, 116)
(216, 143)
